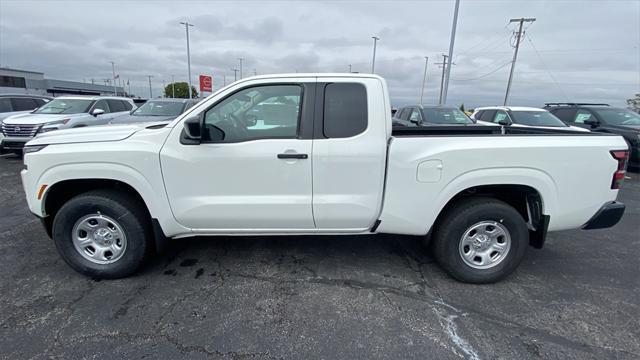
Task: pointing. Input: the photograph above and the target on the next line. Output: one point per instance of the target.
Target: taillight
(618, 177)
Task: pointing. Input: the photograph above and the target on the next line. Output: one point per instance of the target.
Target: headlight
(33, 148)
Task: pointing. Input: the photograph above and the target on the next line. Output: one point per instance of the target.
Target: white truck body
(374, 182)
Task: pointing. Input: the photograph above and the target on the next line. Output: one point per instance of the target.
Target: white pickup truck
(316, 154)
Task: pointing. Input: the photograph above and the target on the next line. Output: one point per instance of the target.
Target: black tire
(461, 216)
(132, 218)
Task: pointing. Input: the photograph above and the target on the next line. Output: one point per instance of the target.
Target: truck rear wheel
(480, 240)
(103, 234)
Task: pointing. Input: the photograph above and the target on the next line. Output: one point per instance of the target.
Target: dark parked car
(156, 110)
(603, 118)
(418, 115)
(12, 104)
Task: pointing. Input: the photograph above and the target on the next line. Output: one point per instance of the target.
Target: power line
(548, 71)
(487, 74)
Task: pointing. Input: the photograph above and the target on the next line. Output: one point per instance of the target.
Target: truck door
(349, 152)
(257, 178)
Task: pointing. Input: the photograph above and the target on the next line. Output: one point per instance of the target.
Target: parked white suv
(520, 116)
(63, 112)
(260, 158)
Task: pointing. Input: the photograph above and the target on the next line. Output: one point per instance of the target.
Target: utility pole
(150, 93)
(373, 61)
(129, 86)
(113, 70)
(451, 43)
(444, 66)
(255, 73)
(519, 36)
(235, 75)
(224, 80)
(424, 78)
(349, 68)
(173, 87)
(240, 59)
(164, 89)
(186, 27)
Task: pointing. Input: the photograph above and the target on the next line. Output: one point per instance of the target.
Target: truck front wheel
(103, 234)
(480, 240)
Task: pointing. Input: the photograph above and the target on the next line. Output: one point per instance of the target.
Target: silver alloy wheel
(485, 244)
(99, 239)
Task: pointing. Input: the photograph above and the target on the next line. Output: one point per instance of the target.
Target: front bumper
(608, 215)
(14, 142)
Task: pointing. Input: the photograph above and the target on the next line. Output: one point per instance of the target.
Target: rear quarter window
(345, 110)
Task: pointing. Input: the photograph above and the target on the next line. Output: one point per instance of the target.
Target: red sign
(206, 83)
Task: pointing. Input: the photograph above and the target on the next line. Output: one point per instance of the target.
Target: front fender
(151, 190)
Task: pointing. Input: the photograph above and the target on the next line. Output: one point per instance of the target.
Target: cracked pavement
(325, 297)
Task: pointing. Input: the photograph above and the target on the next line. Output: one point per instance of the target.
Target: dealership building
(14, 81)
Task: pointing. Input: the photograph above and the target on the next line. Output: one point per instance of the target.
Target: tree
(634, 104)
(182, 90)
(462, 107)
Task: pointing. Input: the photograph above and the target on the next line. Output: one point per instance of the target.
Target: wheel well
(525, 199)
(59, 193)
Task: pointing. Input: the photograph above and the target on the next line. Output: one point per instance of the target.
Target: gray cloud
(586, 50)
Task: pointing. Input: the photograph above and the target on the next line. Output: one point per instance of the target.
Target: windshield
(159, 108)
(445, 116)
(619, 116)
(65, 106)
(536, 118)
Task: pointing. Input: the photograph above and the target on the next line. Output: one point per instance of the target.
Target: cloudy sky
(576, 50)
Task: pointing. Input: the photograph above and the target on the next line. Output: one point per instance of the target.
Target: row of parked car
(22, 117)
(559, 116)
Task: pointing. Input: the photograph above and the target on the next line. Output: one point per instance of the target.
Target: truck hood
(87, 134)
(35, 119)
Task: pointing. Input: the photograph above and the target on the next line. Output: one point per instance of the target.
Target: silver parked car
(63, 112)
(156, 110)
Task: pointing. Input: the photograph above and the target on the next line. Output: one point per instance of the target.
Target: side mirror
(97, 112)
(192, 131)
(415, 121)
(592, 123)
(504, 122)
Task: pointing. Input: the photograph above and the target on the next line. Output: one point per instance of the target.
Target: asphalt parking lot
(319, 297)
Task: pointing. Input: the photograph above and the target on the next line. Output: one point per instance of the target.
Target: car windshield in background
(65, 106)
(619, 116)
(159, 108)
(536, 118)
(445, 116)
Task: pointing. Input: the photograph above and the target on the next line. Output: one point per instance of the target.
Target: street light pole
(173, 87)
(235, 75)
(515, 53)
(150, 92)
(240, 59)
(424, 78)
(186, 27)
(373, 61)
(113, 70)
(451, 43)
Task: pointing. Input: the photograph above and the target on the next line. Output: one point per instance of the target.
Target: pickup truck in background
(316, 154)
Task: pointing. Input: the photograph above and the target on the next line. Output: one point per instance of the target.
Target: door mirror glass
(97, 112)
